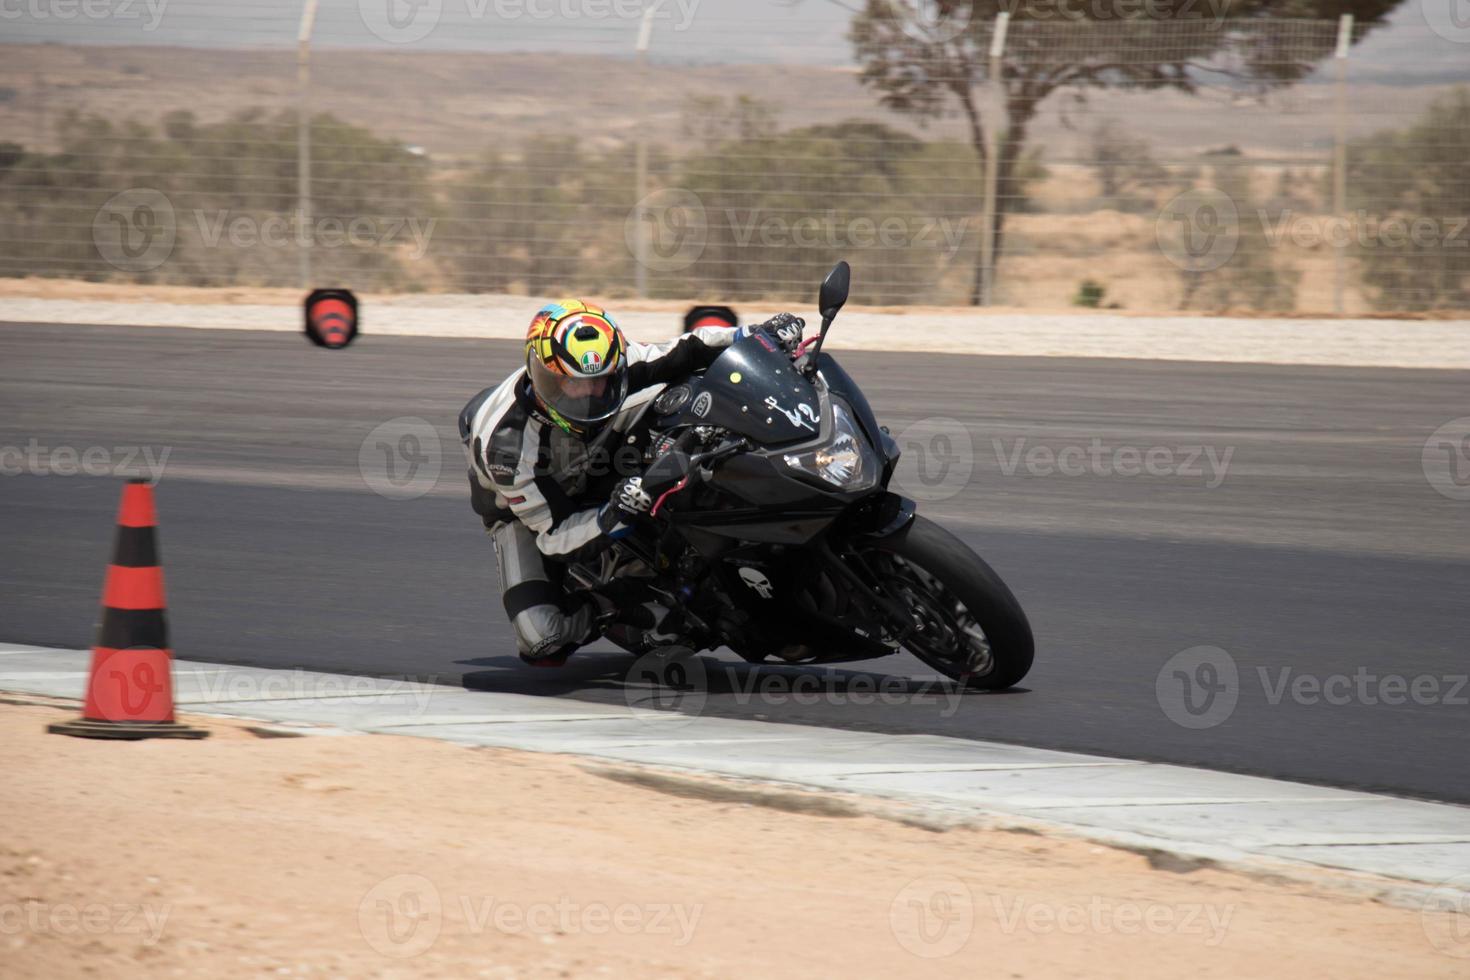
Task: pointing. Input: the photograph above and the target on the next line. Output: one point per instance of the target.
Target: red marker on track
(331, 318)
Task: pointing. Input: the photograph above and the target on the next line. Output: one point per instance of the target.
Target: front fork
(873, 519)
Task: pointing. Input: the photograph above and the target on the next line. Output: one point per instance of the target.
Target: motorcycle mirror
(833, 293)
(665, 472)
(830, 299)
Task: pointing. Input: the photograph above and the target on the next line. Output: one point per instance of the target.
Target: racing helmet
(577, 361)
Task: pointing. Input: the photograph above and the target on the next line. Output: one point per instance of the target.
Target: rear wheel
(966, 624)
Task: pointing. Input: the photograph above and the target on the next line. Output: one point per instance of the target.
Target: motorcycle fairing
(752, 389)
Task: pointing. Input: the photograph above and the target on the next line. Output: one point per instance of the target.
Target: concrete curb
(1427, 344)
(1391, 849)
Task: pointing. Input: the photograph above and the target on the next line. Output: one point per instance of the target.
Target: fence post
(1339, 159)
(640, 260)
(303, 141)
(40, 88)
(992, 163)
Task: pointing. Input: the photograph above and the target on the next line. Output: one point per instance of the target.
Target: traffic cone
(130, 687)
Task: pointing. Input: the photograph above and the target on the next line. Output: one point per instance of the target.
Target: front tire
(973, 629)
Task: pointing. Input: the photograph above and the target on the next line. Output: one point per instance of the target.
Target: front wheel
(966, 624)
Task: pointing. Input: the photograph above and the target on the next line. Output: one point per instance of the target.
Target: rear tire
(966, 578)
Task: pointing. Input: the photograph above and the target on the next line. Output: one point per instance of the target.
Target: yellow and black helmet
(577, 361)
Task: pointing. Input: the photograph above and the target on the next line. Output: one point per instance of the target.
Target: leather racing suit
(539, 488)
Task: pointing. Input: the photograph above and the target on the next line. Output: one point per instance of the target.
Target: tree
(1409, 187)
(1128, 176)
(780, 207)
(231, 192)
(1250, 277)
(518, 220)
(928, 74)
(713, 119)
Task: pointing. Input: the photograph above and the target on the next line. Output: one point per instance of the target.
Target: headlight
(846, 462)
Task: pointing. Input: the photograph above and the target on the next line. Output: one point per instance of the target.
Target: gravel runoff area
(1409, 343)
(392, 856)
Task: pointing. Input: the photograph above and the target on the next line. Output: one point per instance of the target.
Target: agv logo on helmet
(576, 360)
(590, 345)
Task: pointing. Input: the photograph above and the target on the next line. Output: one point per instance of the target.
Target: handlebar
(697, 463)
(736, 445)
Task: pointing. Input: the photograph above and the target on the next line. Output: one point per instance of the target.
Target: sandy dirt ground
(1420, 343)
(380, 856)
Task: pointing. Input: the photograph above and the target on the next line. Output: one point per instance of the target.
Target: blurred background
(1298, 156)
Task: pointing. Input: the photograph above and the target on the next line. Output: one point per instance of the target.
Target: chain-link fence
(1144, 157)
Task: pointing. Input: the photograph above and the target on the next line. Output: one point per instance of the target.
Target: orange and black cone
(130, 687)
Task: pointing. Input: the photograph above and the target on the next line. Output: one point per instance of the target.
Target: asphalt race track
(1320, 558)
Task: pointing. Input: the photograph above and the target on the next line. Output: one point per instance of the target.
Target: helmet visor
(585, 399)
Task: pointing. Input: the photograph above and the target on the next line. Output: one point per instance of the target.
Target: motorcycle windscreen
(753, 390)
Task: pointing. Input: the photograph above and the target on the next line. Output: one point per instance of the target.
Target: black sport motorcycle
(774, 533)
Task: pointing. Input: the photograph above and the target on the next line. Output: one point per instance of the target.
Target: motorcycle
(773, 531)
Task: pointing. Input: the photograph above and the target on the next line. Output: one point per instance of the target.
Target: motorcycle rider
(538, 446)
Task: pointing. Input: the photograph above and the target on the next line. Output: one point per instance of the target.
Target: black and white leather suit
(540, 488)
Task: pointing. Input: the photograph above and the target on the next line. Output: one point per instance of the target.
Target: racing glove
(786, 328)
(628, 501)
